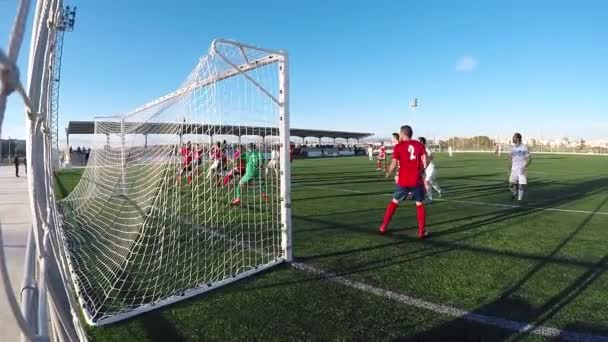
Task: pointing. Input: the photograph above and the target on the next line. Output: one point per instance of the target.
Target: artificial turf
(522, 263)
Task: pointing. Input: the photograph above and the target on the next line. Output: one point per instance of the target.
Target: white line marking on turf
(521, 327)
(471, 202)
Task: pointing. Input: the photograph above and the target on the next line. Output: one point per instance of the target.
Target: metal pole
(29, 290)
(286, 242)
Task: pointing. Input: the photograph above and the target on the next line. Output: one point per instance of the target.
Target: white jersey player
(520, 160)
(274, 162)
(370, 152)
(450, 151)
(430, 182)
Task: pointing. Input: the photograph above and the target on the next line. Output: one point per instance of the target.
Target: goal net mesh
(152, 220)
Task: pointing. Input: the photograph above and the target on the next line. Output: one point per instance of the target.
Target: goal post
(185, 193)
(285, 159)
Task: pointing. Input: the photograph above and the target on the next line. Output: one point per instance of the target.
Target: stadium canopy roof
(113, 127)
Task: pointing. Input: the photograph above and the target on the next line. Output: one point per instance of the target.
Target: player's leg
(378, 164)
(237, 189)
(513, 181)
(399, 194)
(523, 183)
(418, 196)
(428, 173)
(428, 188)
(432, 179)
(247, 177)
(275, 168)
(271, 166)
(212, 168)
(180, 174)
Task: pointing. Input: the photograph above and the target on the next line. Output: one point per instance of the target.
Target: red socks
(388, 214)
(421, 215)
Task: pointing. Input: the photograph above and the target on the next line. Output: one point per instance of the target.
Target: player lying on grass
(254, 162)
(429, 173)
(520, 160)
(381, 160)
(410, 156)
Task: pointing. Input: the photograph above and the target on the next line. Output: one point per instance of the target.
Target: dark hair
(517, 135)
(422, 140)
(407, 131)
(396, 136)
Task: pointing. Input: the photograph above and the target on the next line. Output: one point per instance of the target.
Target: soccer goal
(174, 200)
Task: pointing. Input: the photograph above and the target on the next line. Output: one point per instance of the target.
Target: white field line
(470, 202)
(521, 327)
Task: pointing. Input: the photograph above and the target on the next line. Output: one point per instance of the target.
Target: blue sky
(477, 67)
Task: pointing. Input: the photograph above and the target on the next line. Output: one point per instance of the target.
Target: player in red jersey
(186, 154)
(381, 161)
(238, 165)
(410, 156)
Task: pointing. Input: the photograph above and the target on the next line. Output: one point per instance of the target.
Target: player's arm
(392, 167)
(528, 159)
(394, 162)
(426, 160)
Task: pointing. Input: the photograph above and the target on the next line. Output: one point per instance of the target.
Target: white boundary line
(468, 202)
(520, 327)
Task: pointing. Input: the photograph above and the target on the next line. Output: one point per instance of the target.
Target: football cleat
(383, 229)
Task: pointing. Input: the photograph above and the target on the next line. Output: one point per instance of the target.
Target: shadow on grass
(537, 316)
(158, 328)
(509, 304)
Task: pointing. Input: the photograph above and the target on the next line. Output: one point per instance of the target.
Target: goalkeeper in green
(254, 161)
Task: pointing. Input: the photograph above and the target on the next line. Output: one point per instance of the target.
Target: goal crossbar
(236, 70)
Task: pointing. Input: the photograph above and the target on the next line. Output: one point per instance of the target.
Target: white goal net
(186, 193)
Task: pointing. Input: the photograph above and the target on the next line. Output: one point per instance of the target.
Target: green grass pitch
(545, 262)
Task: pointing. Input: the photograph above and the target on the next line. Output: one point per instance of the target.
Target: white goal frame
(273, 56)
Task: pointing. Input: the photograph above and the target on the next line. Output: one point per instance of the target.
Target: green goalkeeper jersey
(254, 161)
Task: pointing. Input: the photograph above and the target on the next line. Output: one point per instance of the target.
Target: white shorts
(518, 177)
(429, 173)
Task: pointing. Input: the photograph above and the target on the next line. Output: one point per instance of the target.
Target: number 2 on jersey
(410, 149)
